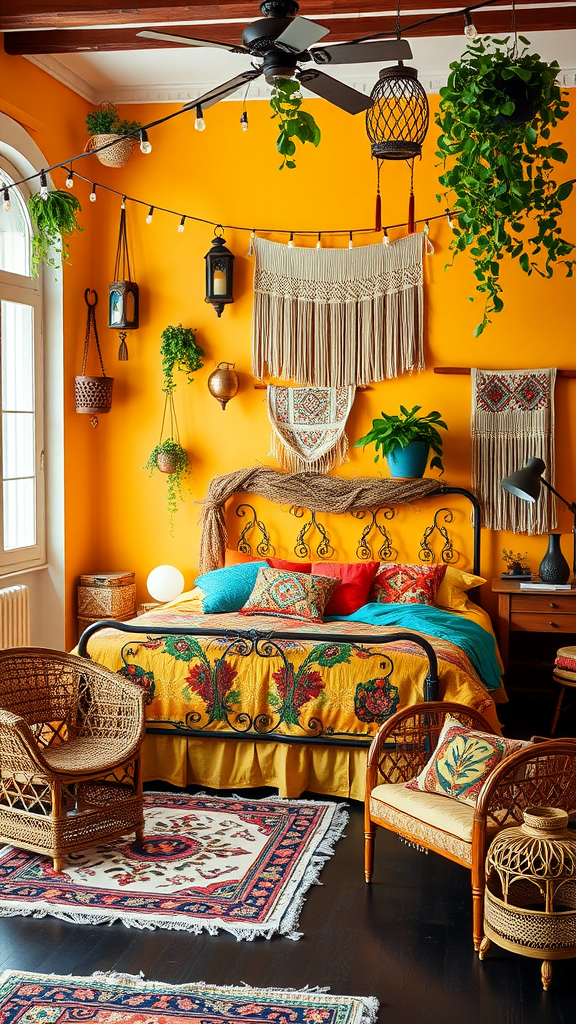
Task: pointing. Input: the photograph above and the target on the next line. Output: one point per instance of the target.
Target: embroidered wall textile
(329, 317)
(308, 427)
(512, 419)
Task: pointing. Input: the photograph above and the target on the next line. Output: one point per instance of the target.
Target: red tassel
(378, 225)
(411, 224)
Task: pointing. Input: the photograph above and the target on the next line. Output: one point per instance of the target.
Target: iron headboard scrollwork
(302, 549)
(386, 551)
(263, 548)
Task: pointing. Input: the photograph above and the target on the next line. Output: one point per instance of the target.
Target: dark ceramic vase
(554, 568)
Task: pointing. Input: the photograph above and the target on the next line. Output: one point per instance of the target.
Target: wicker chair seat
(84, 755)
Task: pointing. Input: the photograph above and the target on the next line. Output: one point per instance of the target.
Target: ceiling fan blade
(171, 37)
(362, 53)
(300, 34)
(335, 92)
(226, 89)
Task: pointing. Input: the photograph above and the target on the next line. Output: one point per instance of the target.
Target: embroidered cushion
(407, 584)
(226, 590)
(281, 563)
(293, 595)
(357, 579)
(452, 591)
(462, 760)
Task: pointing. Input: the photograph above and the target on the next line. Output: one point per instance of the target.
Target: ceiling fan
(284, 41)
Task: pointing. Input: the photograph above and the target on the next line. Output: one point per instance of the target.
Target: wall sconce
(219, 273)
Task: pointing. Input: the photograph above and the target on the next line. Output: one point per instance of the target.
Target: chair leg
(477, 916)
(557, 710)
(58, 863)
(484, 947)
(369, 839)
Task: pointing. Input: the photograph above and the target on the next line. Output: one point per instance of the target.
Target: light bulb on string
(43, 185)
(150, 215)
(145, 144)
(319, 242)
(350, 242)
(6, 201)
(70, 179)
(470, 30)
(244, 120)
(123, 203)
(93, 194)
(449, 219)
(291, 240)
(385, 239)
(181, 225)
(199, 123)
(250, 251)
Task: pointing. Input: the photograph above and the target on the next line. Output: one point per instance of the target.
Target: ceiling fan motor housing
(261, 35)
(397, 121)
(279, 8)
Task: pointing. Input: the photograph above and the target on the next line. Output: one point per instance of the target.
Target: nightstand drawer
(538, 622)
(543, 603)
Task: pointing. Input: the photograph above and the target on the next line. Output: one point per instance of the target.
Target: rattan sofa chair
(70, 737)
(541, 773)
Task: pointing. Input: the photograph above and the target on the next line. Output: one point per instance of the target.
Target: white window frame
(28, 291)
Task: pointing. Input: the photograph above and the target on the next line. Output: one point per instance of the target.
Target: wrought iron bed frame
(268, 643)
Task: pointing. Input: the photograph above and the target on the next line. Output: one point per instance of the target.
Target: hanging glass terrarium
(123, 293)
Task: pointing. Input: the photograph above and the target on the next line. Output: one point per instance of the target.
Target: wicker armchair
(541, 773)
(70, 737)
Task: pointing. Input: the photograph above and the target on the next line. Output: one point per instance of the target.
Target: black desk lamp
(525, 483)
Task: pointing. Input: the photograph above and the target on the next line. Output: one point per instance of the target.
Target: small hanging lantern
(397, 121)
(123, 293)
(219, 273)
(223, 383)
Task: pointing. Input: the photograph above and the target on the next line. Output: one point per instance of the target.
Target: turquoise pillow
(227, 590)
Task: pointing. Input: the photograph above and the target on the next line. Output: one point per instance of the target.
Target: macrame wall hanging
(512, 419)
(308, 427)
(330, 317)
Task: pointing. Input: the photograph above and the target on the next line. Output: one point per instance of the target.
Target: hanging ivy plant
(53, 219)
(293, 122)
(169, 458)
(179, 351)
(496, 115)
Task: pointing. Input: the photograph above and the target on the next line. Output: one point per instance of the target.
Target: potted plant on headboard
(406, 441)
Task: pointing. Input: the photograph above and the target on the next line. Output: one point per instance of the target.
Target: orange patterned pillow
(293, 595)
(407, 584)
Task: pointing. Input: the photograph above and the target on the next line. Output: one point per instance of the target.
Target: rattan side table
(530, 896)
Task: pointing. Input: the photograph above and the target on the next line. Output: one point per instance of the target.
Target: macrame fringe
(328, 317)
(291, 462)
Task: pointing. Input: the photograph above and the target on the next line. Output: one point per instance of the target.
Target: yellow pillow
(452, 592)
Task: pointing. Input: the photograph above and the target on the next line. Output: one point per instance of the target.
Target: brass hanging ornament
(223, 383)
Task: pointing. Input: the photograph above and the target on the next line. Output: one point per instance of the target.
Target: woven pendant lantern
(397, 121)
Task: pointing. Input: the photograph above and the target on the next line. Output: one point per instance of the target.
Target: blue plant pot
(409, 461)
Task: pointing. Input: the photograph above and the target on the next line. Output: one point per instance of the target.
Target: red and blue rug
(48, 999)
(205, 863)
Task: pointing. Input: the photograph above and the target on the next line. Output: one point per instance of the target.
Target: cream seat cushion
(436, 820)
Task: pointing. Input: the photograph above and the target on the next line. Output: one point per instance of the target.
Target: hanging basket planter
(170, 458)
(106, 126)
(167, 461)
(117, 155)
(93, 394)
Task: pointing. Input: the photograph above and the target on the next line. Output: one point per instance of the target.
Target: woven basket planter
(114, 156)
(93, 394)
(167, 462)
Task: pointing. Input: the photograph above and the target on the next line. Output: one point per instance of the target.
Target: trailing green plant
(293, 122)
(399, 431)
(179, 351)
(54, 220)
(174, 480)
(106, 120)
(500, 169)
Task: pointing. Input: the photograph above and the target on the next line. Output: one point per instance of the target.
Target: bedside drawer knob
(555, 624)
(553, 604)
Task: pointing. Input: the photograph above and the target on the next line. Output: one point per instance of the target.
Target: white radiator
(14, 617)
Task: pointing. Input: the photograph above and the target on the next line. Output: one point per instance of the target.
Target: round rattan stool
(530, 897)
(565, 675)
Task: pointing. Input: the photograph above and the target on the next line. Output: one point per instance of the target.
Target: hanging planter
(53, 216)
(496, 116)
(169, 458)
(105, 125)
(179, 351)
(123, 293)
(293, 123)
(93, 394)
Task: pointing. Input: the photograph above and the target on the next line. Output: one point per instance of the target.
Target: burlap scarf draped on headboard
(313, 491)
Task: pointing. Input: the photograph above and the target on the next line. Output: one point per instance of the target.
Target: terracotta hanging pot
(223, 383)
(167, 462)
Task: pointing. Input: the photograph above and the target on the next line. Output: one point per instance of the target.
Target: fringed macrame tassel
(291, 462)
(428, 245)
(123, 350)
(251, 244)
(378, 220)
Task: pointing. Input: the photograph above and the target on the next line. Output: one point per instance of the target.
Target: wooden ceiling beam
(102, 40)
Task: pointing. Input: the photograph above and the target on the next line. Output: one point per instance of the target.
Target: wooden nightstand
(524, 611)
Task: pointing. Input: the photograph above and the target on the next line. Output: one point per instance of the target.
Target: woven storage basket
(115, 156)
(107, 596)
(93, 394)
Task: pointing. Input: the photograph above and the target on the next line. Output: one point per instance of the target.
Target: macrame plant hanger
(93, 394)
(174, 432)
(123, 301)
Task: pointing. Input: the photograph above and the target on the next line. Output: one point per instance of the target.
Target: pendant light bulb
(470, 30)
(199, 123)
(123, 203)
(244, 120)
(6, 201)
(43, 185)
(145, 145)
(291, 240)
(181, 225)
(150, 215)
(70, 179)
(385, 239)
(319, 242)
(350, 242)
(449, 219)
(93, 194)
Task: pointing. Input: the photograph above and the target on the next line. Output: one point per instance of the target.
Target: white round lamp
(165, 582)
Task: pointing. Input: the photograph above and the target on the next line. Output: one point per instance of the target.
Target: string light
(319, 242)
(350, 242)
(449, 219)
(251, 243)
(93, 194)
(70, 179)
(43, 185)
(123, 203)
(181, 225)
(470, 30)
(244, 120)
(291, 240)
(145, 144)
(385, 239)
(428, 243)
(6, 201)
(199, 123)
(150, 215)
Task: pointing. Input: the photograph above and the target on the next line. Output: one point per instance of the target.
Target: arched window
(21, 425)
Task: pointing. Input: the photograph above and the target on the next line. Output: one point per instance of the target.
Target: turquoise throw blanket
(477, 643)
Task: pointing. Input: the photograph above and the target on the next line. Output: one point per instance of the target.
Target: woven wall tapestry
(308, 427)
(329, 317)
(512, 419)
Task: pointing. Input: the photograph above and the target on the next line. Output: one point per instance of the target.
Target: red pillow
(407, 584)
(281, 563)
(357, 579)
(239, 558)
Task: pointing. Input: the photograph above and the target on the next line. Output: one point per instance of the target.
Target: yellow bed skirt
(241, 764)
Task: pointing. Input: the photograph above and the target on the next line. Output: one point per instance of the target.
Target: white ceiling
(182, 74)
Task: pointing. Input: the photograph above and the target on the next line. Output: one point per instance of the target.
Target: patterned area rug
(206, 863)
(101, 999)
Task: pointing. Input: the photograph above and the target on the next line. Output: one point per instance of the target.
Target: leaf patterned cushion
(461, 761)
(294, 595)
(407, 584)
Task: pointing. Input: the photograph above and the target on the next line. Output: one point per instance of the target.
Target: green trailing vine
(106, 120)
(500, 170)
(294, 123)
(54, 219)
(174, 480)
(179, 351)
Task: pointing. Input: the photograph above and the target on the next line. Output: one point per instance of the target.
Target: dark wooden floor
(405, 939)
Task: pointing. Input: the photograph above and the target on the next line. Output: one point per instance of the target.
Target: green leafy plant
(293, 122)
(54, 219)
(515, 562)
(399, 431)
(173, 451)
(106, 120)
(179, 351)
(500, 168)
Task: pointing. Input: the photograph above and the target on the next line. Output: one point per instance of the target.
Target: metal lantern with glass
(219, 273)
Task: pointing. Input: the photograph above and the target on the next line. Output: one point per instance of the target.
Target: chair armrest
(113, 708)
(19, 750)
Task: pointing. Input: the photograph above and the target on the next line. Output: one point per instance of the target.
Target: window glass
(15, 233)
(18, 425)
